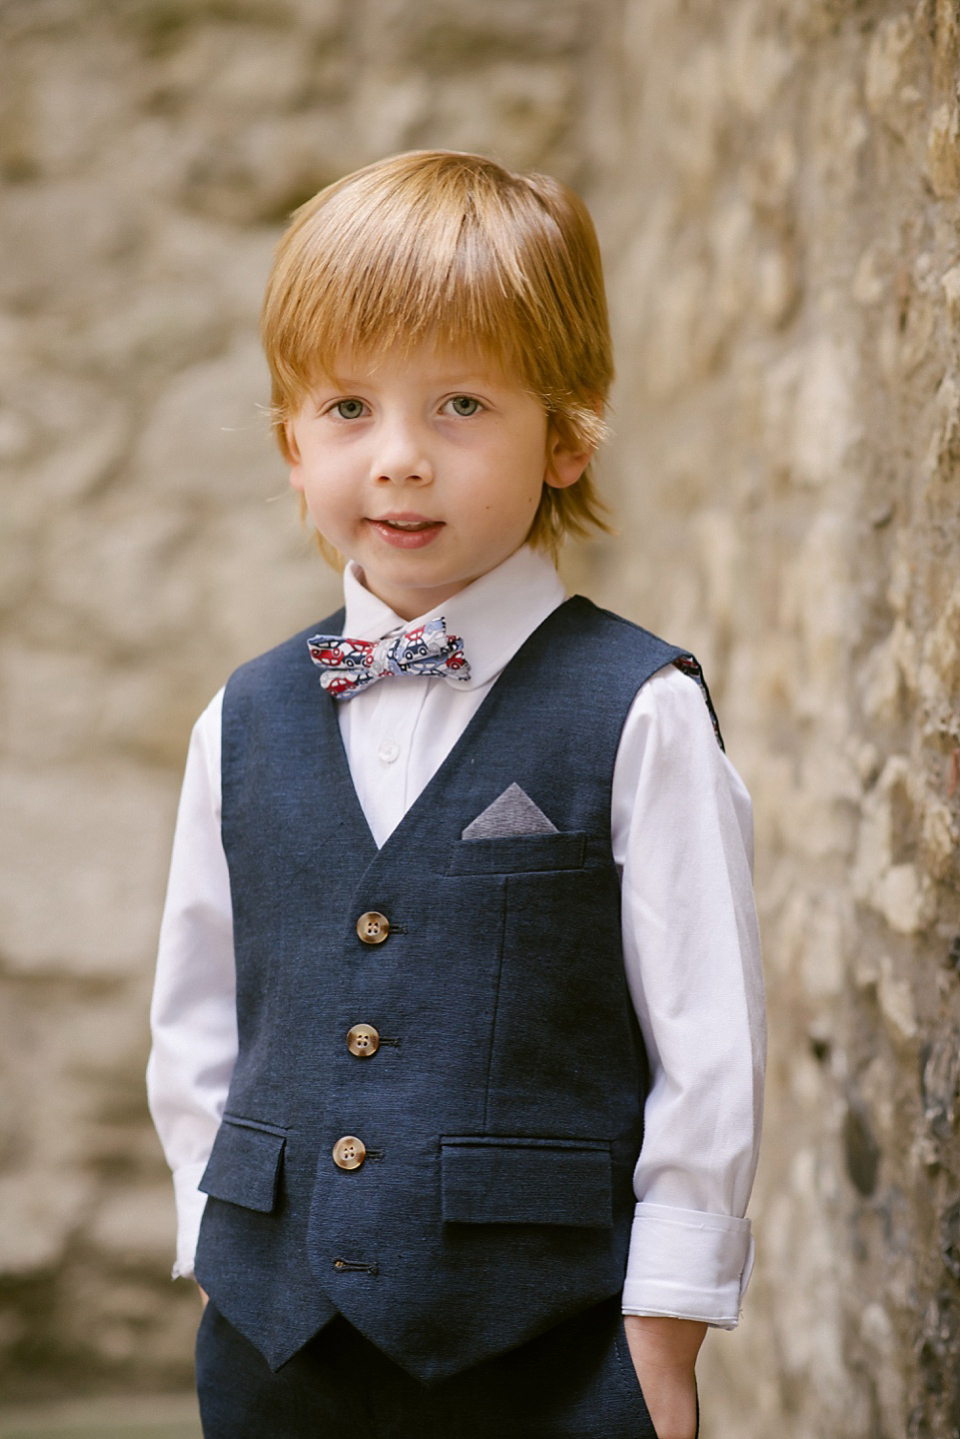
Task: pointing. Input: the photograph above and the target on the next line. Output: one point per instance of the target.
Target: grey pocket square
(513, 812)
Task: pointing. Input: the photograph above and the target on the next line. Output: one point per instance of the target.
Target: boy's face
(426, 469)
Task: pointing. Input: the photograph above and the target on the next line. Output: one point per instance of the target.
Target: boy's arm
(193, 1013)
(664, 1354)
(682, 835)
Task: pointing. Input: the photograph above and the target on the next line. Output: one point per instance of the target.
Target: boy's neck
(413, 604)
(410, 605)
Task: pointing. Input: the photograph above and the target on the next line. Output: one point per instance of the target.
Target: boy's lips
(405, 531)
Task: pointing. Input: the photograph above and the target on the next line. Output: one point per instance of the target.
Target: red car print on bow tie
(348, 665)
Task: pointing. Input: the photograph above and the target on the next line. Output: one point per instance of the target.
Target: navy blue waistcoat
(502, 1113)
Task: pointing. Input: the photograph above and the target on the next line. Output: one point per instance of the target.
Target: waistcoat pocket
(510, 854)
(244, 1165)
(490, 1180)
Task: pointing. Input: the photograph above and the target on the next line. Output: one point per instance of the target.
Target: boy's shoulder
(283, 659)
(616, 637)
(577, 621)
(608, 644)
(622, 655)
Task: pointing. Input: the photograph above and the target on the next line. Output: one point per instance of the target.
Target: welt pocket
(510, 854)
(244, 1166)
(526, 1181)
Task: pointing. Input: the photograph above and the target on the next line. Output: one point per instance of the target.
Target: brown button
(372, 927)
(349, 1152)
(363, 1040)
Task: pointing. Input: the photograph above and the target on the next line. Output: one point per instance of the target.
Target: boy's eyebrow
(460, 380)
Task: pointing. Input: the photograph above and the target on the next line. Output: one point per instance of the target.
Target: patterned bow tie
(348, 666)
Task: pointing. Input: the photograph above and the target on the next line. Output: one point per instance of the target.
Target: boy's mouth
(406, 531)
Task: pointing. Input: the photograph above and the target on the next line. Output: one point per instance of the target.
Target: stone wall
(780, 210)
(776, 184)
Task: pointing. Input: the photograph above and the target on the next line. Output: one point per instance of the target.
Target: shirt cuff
(688, 1265)
(190, 1207)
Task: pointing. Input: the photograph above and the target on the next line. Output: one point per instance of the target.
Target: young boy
(458, 1022)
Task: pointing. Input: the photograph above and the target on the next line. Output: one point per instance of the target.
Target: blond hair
(451, 247)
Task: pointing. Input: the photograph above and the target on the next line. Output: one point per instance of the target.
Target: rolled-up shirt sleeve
(683, 840)
(193, 1012)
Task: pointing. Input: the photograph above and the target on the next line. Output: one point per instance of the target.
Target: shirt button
(349, 1152)
(388, 751)
(363, 1040)
(373, 927)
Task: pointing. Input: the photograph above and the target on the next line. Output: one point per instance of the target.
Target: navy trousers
(574, 1382)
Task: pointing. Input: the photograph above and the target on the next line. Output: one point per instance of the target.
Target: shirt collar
(493, 616)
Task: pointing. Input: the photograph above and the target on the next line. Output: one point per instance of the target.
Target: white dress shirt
(681, 829)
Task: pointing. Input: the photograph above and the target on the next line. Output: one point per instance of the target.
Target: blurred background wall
(775, 183)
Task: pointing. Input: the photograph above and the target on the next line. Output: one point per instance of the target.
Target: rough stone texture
(776, 183)
(780, 211)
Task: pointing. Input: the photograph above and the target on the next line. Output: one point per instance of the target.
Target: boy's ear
(564, 465)
(293, 455)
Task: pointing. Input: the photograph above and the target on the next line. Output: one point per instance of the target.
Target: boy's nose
(401, 457)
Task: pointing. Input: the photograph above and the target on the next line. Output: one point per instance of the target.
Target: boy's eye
(349, 409)
(464, 405)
